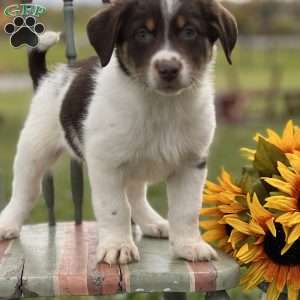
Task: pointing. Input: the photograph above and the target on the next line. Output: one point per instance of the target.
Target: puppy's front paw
(157, 230)
(117, 253)
(8, 232)
(194, 251)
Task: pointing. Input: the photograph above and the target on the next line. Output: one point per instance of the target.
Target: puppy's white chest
(151, 171)
(148, 136)
(163, 142)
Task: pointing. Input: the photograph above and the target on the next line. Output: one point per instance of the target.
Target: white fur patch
(170, 6)
(48, 39)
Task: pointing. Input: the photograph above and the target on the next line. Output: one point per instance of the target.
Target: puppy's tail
(37, 56)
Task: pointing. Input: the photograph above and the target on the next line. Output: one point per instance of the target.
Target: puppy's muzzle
(168, 70)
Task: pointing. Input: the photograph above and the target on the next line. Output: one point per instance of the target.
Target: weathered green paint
(156, 271)
(41, 246)
(11, 270)
(219, 295)
(60, 261)
(228, 272)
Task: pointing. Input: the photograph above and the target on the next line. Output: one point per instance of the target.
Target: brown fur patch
(150, 24)
(180, 21)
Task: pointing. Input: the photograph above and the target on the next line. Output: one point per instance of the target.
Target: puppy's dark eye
(188, 33)
(144, 36)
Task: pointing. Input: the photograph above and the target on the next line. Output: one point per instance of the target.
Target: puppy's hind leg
(151, 223)
(37, 150)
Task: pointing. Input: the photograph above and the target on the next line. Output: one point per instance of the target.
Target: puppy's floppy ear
(103, 30)
(223, 26)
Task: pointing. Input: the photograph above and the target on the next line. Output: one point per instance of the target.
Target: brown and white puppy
(147, 116)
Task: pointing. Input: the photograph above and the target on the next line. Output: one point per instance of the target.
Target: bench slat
(60, 261)
(11, 269)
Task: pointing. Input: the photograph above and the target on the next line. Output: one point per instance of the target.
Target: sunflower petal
(257, 210)
(227, 183)
(281, 278)
(288, 137)
(285, 218)
(286, 232)
(248, 153)
(238, 225)
(212, 199)
(248, 280)
(274, 138)
(210, 224)
(286, 173)
(271, 271)
(294, 161)
(235, 238)
(282, 203)
(273, 293)
(249, 254)
(231, 209)
(280, 185)
(213, 235)
(270, 224)
(258, 136)
(286, 248)
(292, 293)
(256, 228)
(294, 220)
(293, 275)
(212, 187)
(211, 211)
(294, 234)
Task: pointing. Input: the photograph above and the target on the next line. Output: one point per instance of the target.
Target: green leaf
(249, 176)
(259, 188)
(267, 157)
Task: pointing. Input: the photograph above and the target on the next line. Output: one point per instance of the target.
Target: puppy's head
(164, 44)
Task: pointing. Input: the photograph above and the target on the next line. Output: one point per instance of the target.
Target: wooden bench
(60, 261)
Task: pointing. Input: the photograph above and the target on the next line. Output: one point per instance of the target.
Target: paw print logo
(24, 31)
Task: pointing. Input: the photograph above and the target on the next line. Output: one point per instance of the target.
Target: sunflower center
(298, 201)
(228, 229)
(274, 245)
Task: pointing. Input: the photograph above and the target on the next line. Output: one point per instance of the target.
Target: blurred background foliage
(267, 17)
(261, 89)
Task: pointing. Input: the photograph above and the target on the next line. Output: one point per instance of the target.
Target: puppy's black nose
(168, 69)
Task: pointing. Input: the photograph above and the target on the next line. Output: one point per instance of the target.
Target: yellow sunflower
(225, 198)
(288, 142)
(259, 221)
(262, 254)
(287, 200)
